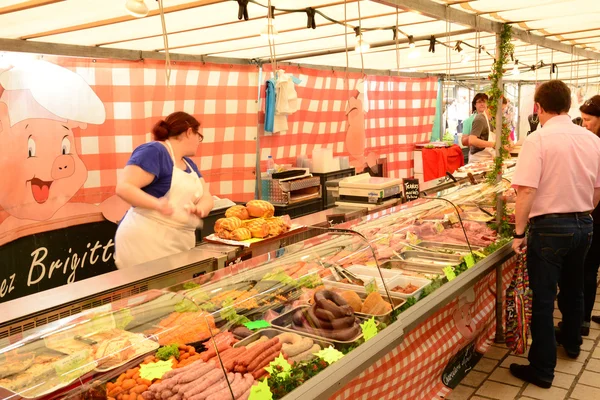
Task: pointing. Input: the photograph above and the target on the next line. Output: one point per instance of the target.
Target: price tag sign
(371, 286)
(155, 370)
(369, 328)
(74, 366)
(279, 367)
(449, 272)
(469, 260)
(329, 355)
(254, 325)
(411, 189)
(479, 254)
(261, 391)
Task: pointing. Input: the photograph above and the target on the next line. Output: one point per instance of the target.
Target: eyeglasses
(590, 102)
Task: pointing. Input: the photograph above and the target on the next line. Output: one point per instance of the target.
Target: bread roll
(228, 224)
(258, 227)
(224, 235)
(260, 209)
(276, 226)
(241, 234)
(237, 211)
(353, 300)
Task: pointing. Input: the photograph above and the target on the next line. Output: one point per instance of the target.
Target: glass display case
(213, 336)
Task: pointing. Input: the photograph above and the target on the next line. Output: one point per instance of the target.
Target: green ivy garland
(496, 93)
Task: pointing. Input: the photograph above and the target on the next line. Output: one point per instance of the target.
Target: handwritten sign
(369, 329)
(155, 370)
(261, 391)
(329, 355)
(74, 366)
(460, 365)
(449, 272)
(412, 189)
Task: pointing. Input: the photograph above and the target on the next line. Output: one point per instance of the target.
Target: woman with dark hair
(166, 191)
(590, 115)
(478, 106)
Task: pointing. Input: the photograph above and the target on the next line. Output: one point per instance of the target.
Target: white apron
(144, 235)
(488, 153)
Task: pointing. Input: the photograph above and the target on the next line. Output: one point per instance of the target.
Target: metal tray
(423, 257)
(417, 267)
(284, 322)
(272, 332)
(449, 248)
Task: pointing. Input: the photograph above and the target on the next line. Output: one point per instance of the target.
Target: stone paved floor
(574, 379)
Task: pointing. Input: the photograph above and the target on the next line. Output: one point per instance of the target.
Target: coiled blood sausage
(334, 303)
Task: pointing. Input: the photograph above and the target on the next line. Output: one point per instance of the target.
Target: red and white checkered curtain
(222, 97)
(401, 112)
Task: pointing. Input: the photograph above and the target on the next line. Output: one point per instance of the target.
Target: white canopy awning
(211, 28)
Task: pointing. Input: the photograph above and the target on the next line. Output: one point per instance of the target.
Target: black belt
(576, 215)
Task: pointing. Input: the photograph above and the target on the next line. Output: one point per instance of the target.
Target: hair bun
(161, 130)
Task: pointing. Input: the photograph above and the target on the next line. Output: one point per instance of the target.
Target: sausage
(193, 374)
(224, 392)
(246, 394)
(270, 354)
(323, 314)
(242, 386)
(214, 388)
(173, 372)
(165, 394)
(333, 302)
(298, 317)
(294, 349)
(211, 352)
(264, 363)
(251, 354)
(338, 323)
(229, 364)
(262, 339)
(343, 335)
(306, 355)
(197, 387)
(177, 396)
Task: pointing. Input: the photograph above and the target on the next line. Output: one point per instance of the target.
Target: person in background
(557, 179)
(166, 191)
(508, 111)
(481, 138)
(478, 106)
(590, 116)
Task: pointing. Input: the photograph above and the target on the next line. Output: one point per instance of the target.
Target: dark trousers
(556, 251)
(592, 262)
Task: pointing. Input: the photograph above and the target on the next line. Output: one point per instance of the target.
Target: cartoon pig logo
(463, 317)
(40, 106)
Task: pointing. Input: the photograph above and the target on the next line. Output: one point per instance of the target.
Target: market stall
(412, 247)
(411, 292)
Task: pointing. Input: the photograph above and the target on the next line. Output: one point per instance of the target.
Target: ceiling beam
(373, 46)
(26, 5)
(70, 50)
(447, 13)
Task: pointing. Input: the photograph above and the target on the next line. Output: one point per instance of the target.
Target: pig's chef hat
(40, 89)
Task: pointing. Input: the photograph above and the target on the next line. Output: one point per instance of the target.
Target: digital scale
(368, 191)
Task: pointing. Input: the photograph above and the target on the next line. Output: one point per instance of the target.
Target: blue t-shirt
(154, 158)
